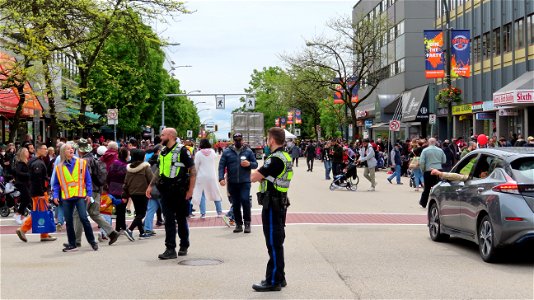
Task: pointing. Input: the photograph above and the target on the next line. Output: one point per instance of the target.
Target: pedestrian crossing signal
(250, 103)
(219, 102)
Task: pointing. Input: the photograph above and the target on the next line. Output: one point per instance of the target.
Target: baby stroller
(9, 197)
(348, 180)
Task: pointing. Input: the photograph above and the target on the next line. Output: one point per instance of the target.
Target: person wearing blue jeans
(218, 207)
(418, 178)
(60, 216)
(153, 205)
(396, 159)
(238, 160)
(81, 205)
(327, 159)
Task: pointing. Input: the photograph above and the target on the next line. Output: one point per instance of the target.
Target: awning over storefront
(519, 91)
(415, 104)
(9, 97)
(388, 102)
(9, 100)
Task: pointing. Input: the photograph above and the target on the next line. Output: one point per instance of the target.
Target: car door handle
(460, 190)
(480, 189)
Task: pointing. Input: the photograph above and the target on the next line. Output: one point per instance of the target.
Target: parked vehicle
(250, 125)
(494, 207)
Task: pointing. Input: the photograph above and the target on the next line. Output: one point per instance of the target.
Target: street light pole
(448, 80)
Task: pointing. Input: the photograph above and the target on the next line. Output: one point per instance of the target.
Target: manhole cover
(200, 262)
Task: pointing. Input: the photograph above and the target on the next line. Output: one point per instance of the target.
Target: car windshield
(523, 170)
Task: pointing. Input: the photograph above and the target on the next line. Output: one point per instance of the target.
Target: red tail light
(509, 187)
(514, 219)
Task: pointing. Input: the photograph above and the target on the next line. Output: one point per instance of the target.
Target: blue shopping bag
(43, 222)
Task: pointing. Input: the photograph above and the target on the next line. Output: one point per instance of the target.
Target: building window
(530, 29)
(519, 34)
(439, 8)
(496, 41)
(392, 70)
(384, 5)
(400, 28)
(400, 66)
(476, 49)
(507, 37)
(486, 45)
(392, 34)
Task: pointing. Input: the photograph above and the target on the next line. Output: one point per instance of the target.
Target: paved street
(339, 245)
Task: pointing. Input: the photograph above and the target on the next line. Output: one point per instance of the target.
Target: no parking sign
(394, 125)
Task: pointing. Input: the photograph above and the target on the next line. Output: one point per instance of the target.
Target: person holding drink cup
(238, 159)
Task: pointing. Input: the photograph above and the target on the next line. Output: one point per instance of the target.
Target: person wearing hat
(97, 170)
(238, 160)
(368, 160)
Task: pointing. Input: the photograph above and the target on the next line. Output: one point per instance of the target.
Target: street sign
(297, 131)
(432, 119)
(219, 102)
(190, 133)
(113, 116)
(250, 103)
(394, 125)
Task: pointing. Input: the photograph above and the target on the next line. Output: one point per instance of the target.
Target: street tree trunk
(51, 100)
(16, 119)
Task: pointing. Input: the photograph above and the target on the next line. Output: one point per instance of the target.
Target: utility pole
(448, 81)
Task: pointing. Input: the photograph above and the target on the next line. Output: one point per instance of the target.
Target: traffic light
(216, 128)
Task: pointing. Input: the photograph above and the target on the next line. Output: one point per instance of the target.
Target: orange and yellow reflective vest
(72, 184)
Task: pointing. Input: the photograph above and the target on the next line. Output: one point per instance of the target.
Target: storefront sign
(478, 106)
(360, 114)
(462, 109)
(485, 116)
(368, 123)
(442, 112)
(507, 112)
(488, 106)
(514, 97)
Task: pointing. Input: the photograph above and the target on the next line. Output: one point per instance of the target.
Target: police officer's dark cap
(238, 135)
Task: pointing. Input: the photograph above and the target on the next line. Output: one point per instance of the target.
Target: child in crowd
(106, 210)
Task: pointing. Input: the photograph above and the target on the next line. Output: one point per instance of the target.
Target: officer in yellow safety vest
(275, 177)
(73, 182)
(175, 181)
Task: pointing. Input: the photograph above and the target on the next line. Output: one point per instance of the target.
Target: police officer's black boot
(247, 227)
(238, 228)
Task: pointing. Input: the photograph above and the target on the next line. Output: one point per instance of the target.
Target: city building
(404, 93)
(498, 98)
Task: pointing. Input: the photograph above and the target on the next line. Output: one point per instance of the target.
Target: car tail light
(509, 187)
(514, 219)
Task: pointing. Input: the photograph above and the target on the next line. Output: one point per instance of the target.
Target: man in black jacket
(238, 160)
(38, 192)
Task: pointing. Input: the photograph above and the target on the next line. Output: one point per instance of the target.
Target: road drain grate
(200, 262)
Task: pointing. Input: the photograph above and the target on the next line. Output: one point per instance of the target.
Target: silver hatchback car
(494, 207)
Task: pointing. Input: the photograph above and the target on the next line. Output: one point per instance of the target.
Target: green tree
(129, 75)
(354, 55)
(332, 118)
(269, 86)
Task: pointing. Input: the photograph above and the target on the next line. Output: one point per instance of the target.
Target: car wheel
(4, 211)
(434, 224)
(486, 240)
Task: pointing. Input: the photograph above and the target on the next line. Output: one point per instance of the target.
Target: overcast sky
(224, 41)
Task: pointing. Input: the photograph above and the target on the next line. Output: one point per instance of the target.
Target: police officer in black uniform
(275, 176)
(175, 181)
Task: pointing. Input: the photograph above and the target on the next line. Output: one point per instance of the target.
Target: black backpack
(98, 172)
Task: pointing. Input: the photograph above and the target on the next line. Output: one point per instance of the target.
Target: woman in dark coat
(22, 182)
(115, 182)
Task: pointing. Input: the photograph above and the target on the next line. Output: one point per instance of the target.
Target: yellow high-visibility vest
(72, 184)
